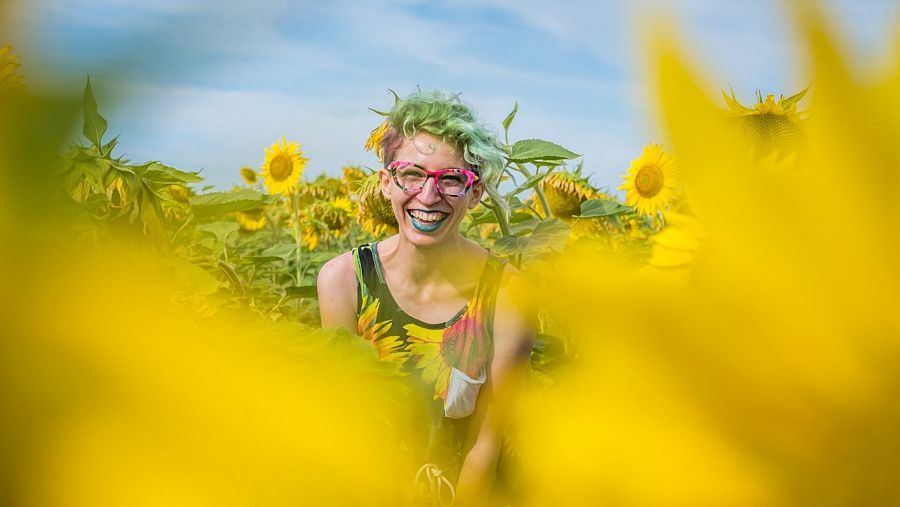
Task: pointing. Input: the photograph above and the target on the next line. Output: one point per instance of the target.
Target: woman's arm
(514, 331)
(336, 285)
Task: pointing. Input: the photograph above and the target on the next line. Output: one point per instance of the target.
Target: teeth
(427, 217)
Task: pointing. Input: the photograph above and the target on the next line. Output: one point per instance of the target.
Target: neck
(424, 264)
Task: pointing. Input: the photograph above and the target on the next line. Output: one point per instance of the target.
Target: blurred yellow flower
(249, 175)
(374, 140)
(9, 69)
(652, 181)
(283, 166)
(769, 123)
(676, 247)
(251, 220)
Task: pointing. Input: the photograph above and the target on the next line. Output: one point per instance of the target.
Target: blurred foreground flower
(772, 125)
(770, 377)
(10, 78)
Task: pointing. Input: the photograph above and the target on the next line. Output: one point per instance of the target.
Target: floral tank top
(445, 363)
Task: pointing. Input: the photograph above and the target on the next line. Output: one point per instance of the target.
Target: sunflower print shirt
(446, 363)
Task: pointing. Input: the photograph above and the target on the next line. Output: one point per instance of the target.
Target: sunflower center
(649, 180)
(280, 167)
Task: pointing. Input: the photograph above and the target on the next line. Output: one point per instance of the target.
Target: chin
(427, 235)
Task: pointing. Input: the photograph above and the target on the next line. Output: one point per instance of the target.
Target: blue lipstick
(425, 226)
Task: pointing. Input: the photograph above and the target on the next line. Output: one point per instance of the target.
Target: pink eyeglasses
(451, 182)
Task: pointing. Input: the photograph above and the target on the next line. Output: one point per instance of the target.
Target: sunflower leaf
(549, 234)
(303, 291)
(529, 150)
(166, 175)
(510, 117)
(217, 203)
(509, 245)
(94, 124)
(596, 208)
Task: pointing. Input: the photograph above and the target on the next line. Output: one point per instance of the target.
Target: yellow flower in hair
(373, 143)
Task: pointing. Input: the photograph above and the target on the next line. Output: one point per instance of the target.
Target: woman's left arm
(514, 332)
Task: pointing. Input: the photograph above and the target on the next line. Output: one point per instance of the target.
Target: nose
(429, 193)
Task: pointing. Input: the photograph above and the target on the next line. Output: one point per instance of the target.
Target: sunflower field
(720, 327)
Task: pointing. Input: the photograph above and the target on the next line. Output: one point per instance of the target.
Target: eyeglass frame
(472, 177)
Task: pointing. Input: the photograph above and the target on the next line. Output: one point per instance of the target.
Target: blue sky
(207, 85)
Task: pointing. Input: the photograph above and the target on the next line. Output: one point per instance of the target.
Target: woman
(439, 304)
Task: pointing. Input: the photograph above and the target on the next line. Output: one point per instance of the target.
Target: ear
(386, 182)
(477, 191)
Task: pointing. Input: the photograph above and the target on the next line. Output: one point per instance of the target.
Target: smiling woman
(439, 305)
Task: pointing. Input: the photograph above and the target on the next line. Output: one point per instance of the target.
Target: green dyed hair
(446, 117)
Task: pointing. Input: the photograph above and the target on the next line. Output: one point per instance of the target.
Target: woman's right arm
(336, 286)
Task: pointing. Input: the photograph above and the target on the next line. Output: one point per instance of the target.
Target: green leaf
(509, 118)
(217, 203)
(520, 217)
(529, 150)
(221, 230)
(551, 233)
(304, 291)
(596, 208)
(165, 175)
(529, 183)
(509, 245)
(94, 124)
(793, 99)
(486, 217)
(107, 148)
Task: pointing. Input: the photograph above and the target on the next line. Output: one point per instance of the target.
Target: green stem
(539, 190)
(299, 251)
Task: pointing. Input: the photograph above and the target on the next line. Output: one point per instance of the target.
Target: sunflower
(336, 214)
(249, 175)
(772, 125)
(283, 166)
(565, 191)
(9, 69)
(373, 143)
(652, 181)
(251, 220)
(376, 215)
(352, 175)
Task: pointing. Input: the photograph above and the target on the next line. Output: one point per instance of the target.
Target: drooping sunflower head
(336, 214)
(283, 166)
(9, 69)
(652, 183)
(565, 191)
(249, 176)
(352, 175)
(376, 215)
(251, 220)
(771, 125)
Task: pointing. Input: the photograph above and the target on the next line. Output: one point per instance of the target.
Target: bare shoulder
(515, 314)
(336, 285)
